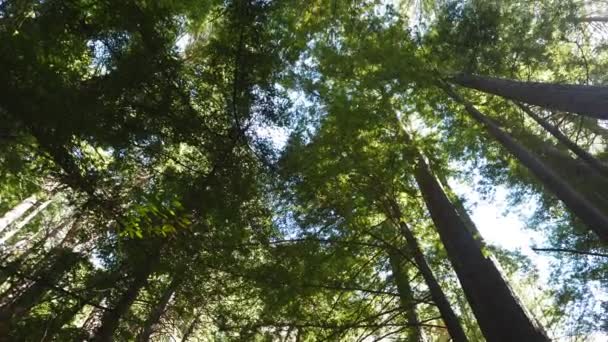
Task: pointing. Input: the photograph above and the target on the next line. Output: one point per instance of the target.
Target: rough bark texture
(600, 167)
(158, 310)
(414, 334)
(581, 99)
(594, 218)
(499, 313)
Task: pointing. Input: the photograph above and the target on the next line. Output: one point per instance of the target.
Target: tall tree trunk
(461, 210)
(437, 295)
(15, 228)
(499, 313)
(44, 281)
(600, 167)
(159, 309)
(581, 99)
(111, 318)
(37, 245)
(191, 328)
(406, 296)
(578, 204)
(60, 319)
(18, 211)
(577, 173)
(93, 292)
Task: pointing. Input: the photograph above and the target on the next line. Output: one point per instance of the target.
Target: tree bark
(595, 19)
(406, 296)
(159, 309)
(594, 218)
(462, 211)
(437, 295)
(45, 280)
(581, 99)
(14, 229)
(499, 313)
(191, 328)
(18, 211)
(111, 318)
(600, 167)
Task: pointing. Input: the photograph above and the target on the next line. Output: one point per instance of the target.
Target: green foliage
(160, 170)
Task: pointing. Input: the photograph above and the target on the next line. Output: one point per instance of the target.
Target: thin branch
(46, 284)
(573, 251)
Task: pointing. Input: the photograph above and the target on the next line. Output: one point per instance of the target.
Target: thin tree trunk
(600, 167)
(406, 296)
(578, 204)
(45, 280)
(61, 319)
(111, 318)
(191, 328)
(499, 313)
(443, 305)
(159, 309)
(18, 211)
(94, 291)
(596, 19)
(14, 229)
(581, 99)
(38, 245)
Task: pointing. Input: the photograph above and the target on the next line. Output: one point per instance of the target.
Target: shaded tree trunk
(406, 295)
(111, 318)
(581, 99)
(60, 319)
(462, 211)
(596, 19)
(39, 244)
(437, 295)
(577, 173)
(159, 309)
(191, 328)
(44, 281)
(577, 203)
(600, 167)
(499, 313)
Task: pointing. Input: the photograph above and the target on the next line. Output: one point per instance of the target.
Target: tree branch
(565, 250)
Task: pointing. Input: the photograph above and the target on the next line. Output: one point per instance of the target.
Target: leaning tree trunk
(44, 281)
(593, 19)
(406, 296)
(499, 313)
(159, 309)
(600, 167)
(576, 172)
(594, 218)
(190, 330)
(111, 318)
(581, 99)
(15, 228)
(462, 211)
(18, 211)
(448, 316)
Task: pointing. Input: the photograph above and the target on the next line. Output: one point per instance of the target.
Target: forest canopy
(322, 170)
